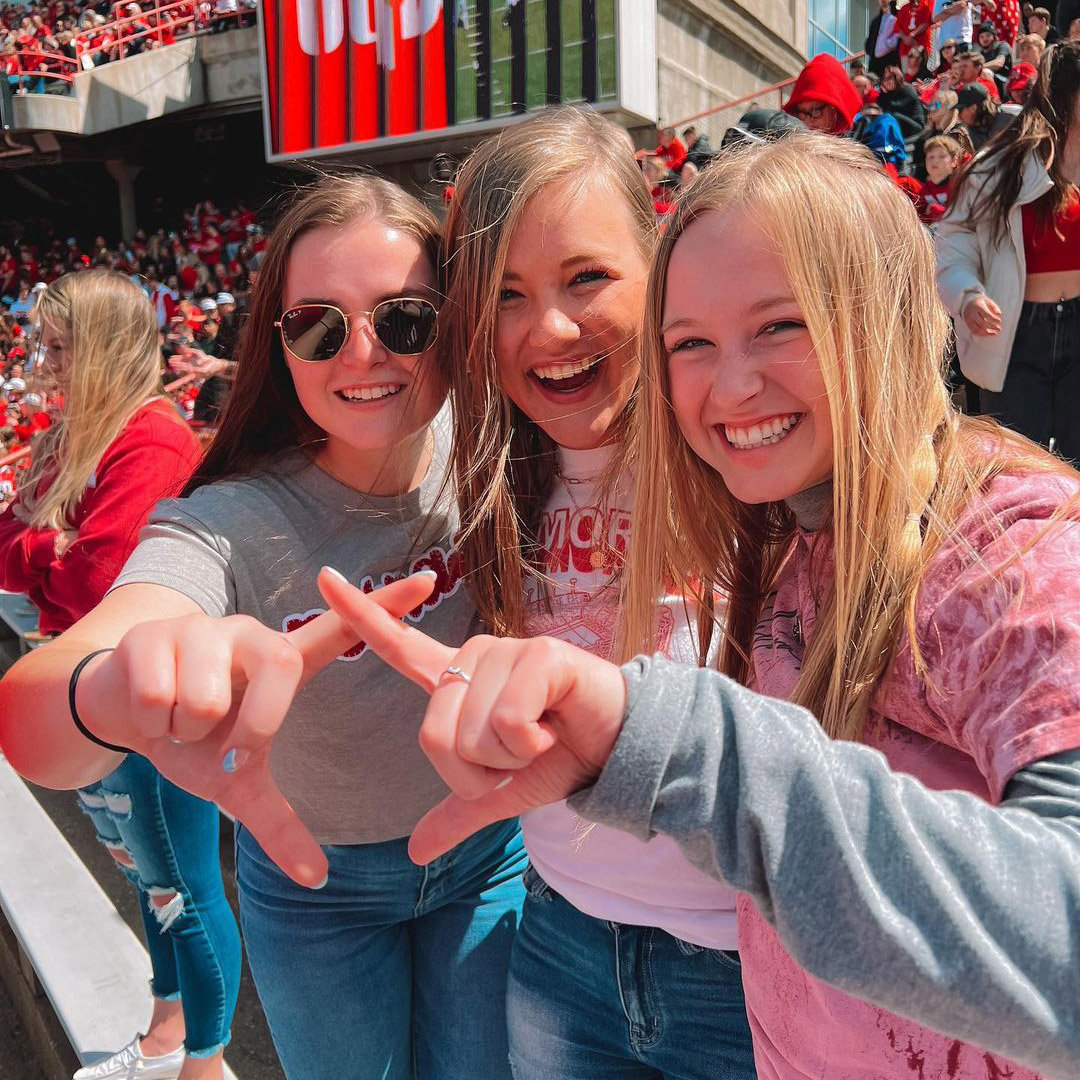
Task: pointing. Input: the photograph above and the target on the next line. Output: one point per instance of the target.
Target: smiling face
(746, 386)
(374, 406)
(572, 295)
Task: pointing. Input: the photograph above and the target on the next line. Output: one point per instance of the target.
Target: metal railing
(14, 457)
(170, 19)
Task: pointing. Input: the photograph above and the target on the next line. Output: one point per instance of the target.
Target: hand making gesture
(511, 724)
(203, 698)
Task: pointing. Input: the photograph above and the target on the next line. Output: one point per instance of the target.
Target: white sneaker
(129, 1064)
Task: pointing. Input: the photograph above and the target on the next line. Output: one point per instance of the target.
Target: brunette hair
(263, 417)
(905, 465)
(503, 463)
(1043, 127)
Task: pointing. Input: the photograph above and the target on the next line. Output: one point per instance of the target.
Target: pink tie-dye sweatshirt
(885, 868)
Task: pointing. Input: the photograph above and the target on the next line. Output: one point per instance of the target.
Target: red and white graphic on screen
(342, 71)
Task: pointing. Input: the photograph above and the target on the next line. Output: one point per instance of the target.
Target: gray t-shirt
(347, 756)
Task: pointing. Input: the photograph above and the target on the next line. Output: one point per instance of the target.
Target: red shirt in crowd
(915, 15)
(935, 199)
(149, 460)
(1006, 19)
(9, 269)
(673, 155)
(189, 278)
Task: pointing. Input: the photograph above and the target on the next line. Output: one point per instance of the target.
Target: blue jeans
(596, 1000)
(172, 837)
(391, 971)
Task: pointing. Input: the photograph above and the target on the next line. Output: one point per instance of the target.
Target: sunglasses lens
(313, 332)
(405, 327)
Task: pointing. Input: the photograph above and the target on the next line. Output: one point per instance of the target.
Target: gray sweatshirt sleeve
(937, 905)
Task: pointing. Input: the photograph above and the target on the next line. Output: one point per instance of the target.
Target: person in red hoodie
(823, 97)
(116, 450)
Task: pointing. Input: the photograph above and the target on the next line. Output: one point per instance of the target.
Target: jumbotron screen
(343, 73)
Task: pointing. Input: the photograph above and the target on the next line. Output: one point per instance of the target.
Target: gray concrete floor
(251, 1052)
(17, 1061)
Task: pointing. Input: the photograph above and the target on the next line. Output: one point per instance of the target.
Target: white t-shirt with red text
(603, 872)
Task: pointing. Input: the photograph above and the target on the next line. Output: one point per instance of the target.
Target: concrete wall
(214, 69)
(712, 51)
(231, 64)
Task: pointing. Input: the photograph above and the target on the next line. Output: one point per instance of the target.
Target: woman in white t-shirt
(624, 965)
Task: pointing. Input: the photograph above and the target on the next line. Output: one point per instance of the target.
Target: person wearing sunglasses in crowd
(332, 449)
(823, 97)
(942, 118)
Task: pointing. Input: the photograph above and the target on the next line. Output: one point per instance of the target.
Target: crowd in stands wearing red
(197, 275)
(43, 45)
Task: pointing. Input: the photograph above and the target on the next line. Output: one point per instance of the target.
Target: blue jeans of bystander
(171, 838)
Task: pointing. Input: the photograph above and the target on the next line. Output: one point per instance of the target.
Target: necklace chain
(600, 553)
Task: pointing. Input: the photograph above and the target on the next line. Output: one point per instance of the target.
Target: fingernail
(336, 573)
(426, 573)
(234, 759)
(505, 782)
(322, 884)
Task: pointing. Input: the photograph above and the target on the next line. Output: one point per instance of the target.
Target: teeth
(369, 393)
(763, 434)
(565, 371)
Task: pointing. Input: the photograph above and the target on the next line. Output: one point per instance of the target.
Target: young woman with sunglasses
(332, 450)
(625, 966)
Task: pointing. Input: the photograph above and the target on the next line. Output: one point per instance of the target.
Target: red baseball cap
(1022, 73)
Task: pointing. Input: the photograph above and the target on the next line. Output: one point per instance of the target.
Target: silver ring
(459, 673)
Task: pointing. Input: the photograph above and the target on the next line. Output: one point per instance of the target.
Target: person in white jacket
(1009, 263)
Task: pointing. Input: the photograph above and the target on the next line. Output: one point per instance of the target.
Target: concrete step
(73, 949)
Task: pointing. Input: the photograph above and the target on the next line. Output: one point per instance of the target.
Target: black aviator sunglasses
(405, 325)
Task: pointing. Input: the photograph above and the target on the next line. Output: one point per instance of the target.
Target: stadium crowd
(935, 83)
(42, 45)
(197, 276)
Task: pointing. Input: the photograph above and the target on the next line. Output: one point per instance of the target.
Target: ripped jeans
(166, 843)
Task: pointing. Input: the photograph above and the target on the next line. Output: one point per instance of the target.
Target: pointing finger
(406, 649)
(327, 636)
(454, 820)
(264, 811)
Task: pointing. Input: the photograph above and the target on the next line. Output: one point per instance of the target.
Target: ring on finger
(458, 673)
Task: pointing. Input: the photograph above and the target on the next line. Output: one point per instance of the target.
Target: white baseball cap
(208, 304)
(226, 298)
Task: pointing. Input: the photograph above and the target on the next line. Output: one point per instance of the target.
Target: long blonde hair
(503, 463)
(114, 363)
(905, 463)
